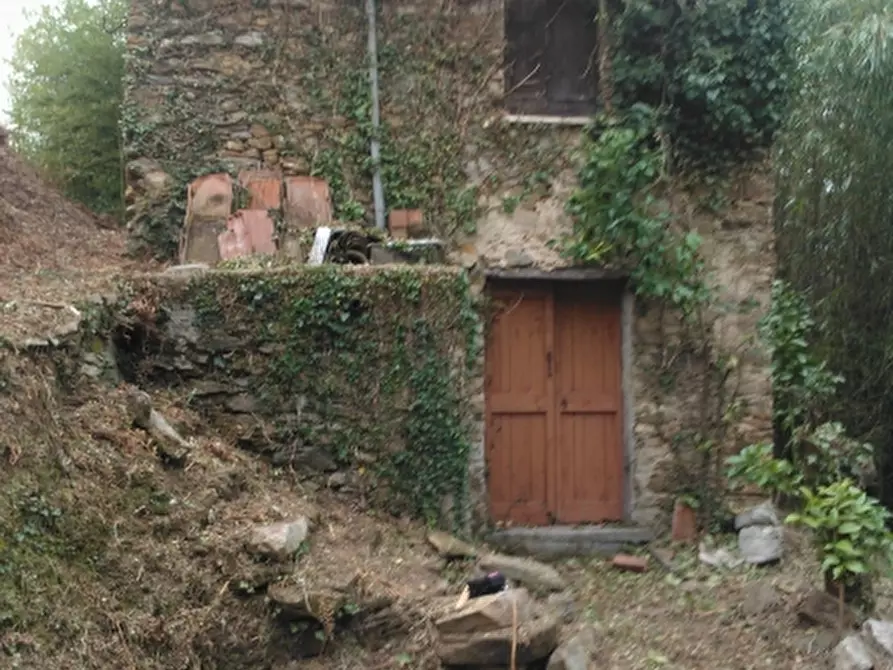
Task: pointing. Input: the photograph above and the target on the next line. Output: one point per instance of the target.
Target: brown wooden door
(553, 389)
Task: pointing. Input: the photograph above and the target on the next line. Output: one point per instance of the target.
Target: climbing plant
(618, 216)
(816, 467)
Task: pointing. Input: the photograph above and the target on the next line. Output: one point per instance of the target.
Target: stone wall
(233, 84)
(357, 378)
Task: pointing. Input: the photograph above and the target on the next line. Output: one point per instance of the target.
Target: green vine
(376, 362)
(620, 220)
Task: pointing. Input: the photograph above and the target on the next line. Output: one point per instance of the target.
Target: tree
(835, 204)
(66, 89)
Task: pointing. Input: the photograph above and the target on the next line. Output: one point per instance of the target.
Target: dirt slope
(111, 559)
(52, 252)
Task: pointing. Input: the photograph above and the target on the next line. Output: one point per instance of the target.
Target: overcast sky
(12, 22)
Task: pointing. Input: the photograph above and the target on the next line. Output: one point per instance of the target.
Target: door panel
(588, 452)
(519, 407)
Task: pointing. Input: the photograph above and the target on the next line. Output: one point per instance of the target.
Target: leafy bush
(756, 465)
(850, 530)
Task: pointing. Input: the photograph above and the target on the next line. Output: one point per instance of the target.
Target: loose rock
(578, 653)
(279, 541)
(533, 574)
(880, 633)
(763, 514)
(853, 654)
(487, 613)
(450, 547)
(718, 558)
(760, 545)
(536, 639)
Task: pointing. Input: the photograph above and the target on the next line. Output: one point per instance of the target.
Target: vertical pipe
(375, 149)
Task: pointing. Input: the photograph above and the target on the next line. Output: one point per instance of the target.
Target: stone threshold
(567, 541)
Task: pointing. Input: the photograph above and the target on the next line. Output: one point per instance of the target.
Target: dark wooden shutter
(550, 56)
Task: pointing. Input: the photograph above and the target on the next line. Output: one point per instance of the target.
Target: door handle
(564, 404)
(549, 363)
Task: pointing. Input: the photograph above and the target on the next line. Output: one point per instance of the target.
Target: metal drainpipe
(377, 189)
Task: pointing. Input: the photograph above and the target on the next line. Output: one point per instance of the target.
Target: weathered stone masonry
(276, 84)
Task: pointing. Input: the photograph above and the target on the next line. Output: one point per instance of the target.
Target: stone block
(577, 653)
(536, 639)
(853, 654)
(533, 574)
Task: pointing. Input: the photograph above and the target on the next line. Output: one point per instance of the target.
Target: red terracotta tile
(249, 231)
(308, 202)
(210, 197)
(261, 230)
(234, 242)
(630, 563)
(264, 188)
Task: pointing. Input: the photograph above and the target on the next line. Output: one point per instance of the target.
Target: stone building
(592, 407)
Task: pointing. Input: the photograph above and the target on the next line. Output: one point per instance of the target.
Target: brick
(403, 223)
(630, 563)
(684, 524)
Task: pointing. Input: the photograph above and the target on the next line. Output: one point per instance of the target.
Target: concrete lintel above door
(558, 274)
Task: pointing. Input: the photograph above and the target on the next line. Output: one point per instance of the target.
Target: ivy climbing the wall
(620, 220)
(369, 366)
(717, 71)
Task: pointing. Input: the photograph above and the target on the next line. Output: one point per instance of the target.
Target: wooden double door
(554, 435)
